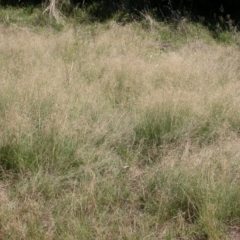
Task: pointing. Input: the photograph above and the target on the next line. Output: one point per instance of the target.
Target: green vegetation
(118, 130)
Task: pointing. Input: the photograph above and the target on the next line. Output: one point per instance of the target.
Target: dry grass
(107, 135)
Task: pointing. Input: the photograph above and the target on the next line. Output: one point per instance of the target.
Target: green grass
(161, 126)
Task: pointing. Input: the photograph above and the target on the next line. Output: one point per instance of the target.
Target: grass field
(119, 132)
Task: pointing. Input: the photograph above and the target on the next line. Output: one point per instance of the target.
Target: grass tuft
(161, 126)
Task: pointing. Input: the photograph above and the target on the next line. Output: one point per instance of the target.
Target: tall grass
(109, 133)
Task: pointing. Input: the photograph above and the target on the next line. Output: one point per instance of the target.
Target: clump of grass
(204, 201)
(161, 125)
(168, 124)
(23, 16)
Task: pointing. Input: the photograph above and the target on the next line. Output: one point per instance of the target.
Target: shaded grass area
(109, 133)
(221, 28)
